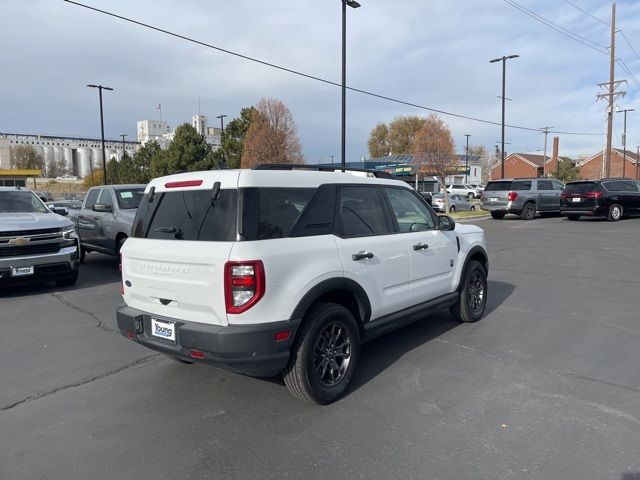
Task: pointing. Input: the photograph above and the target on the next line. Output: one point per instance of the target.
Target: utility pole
(503, 59)
(624, 140)
(545, 130)
(123, 145)
(331, 157)
(221, 117)
(343, 127)
(466, 161)
(104, 159)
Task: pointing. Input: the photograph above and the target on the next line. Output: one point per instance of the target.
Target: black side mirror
(60, 211)
(102, 207)
(446, 223)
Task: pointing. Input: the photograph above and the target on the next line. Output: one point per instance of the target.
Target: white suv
(268, 272)
(464, 190)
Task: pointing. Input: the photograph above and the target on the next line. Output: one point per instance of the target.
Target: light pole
(123, 145)
(104, 160)
(221, 117)
(466, 161)
(624, 141)
(352, 4)
(503, 59)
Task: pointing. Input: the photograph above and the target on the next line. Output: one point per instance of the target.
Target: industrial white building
(159, 131)
(78, 154)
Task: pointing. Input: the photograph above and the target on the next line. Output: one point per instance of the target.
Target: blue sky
(434, 53)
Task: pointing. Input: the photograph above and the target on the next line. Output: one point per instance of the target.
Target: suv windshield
(21, 202)
(187, 215)
(129, 198)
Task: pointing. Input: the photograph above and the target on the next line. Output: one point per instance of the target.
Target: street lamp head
(495, 60)
(92, 86)
(512, 56)
(107, 88)
(221, 116)
(353, 3)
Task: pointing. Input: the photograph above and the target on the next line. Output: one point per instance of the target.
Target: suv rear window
(188, 215)
(503, 186)
(580, 188)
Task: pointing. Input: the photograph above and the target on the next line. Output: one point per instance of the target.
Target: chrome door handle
(420, 246)
(362, 254)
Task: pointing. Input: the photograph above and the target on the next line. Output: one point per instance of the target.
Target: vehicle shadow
(630, 476)
(379, 354)
(97, 269)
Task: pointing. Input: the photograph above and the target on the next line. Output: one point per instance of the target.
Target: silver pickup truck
(35, 241)
(106, 217)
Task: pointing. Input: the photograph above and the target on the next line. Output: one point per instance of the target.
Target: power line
(559, 29)
(312, 77)
(629, 43)
(587, 13)
(626, 68)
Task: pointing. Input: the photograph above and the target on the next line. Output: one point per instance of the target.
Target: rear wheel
(528, 211)
(324, 356)
(573, 217)
(472, 299)
(615, 213)
(452, 209)
(472, 208)
(498, 215)
(119, 245)
(83, 253)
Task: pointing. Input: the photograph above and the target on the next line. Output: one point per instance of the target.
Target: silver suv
(522, 196)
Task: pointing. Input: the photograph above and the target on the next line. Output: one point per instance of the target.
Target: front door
(105, 238)
(432, 252)
(372, 253)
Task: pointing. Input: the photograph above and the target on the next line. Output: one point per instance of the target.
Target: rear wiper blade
(176, 231)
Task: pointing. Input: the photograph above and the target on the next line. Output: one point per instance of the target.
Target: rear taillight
(121, 276)
(244, 285)
(594, 194)
(511, 196)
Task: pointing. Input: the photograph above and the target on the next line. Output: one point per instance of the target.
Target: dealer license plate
(21, 271)
(165, 330)
(576, 199)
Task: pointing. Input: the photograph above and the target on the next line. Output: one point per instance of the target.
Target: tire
(119, 246)
(573, 217)
(68, 281)
(615, 212)
(471, 196)
(498, 215)
(452, 209)
(326, 330)
(472, 208)
(472, 299)
(83, 253)
(528, 211)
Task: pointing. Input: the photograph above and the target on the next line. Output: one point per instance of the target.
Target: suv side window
(557, 185)
(521, 185)
(545, 185)
(362, 212)
(106, 198)
(92, 198)
(412, 215)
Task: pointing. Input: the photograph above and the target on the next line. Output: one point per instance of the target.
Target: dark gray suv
(522, 196)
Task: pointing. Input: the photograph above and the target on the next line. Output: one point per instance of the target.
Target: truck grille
(26, 233)
(26, 250)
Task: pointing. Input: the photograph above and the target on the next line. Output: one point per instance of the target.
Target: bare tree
(27, 157)
(485, 161)
(56, 168)
(272, 136)
(434, 151)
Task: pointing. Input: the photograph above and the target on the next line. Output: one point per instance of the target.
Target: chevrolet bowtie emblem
(18, 241)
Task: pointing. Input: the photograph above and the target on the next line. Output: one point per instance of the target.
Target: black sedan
(610, 198)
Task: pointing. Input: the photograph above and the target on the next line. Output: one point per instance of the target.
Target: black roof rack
(321, 168)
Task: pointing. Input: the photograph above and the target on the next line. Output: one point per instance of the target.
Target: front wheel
(324, 356)
(472, 208)
(452, 209)
(615, 213)
(473, 294)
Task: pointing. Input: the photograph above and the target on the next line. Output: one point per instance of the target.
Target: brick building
(591, 168)
(527, 164)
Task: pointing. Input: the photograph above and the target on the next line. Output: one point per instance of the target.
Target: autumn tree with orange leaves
(272, 136)
(434, 151)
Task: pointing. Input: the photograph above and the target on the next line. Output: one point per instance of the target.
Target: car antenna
(152, 192)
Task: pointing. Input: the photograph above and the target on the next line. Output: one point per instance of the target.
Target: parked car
(73, 207)
(610, 198)
(428, 197)
(522, 196)
(106, 217)
(35, 242)
(457, 203)
(269, 272)
(461, 189)
(67, 178)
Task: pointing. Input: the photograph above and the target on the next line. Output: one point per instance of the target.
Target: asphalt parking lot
(546, 386)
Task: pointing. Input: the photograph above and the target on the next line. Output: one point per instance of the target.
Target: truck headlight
(70, 234)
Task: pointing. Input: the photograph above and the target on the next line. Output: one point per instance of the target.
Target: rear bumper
(247, 349)
(587, 212)
(45, 266)
(501, 208)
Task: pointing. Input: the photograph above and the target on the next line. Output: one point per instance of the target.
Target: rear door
(432, 253)
(181, 239)
(545, 195)
(495, 193)
(372, 253)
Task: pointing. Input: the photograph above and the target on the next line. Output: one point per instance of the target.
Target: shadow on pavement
(97, 269)
(630, 476)
(498, 293)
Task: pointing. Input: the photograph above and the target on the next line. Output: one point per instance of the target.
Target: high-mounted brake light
(244, 285)
(511, 196)
(183, 183)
